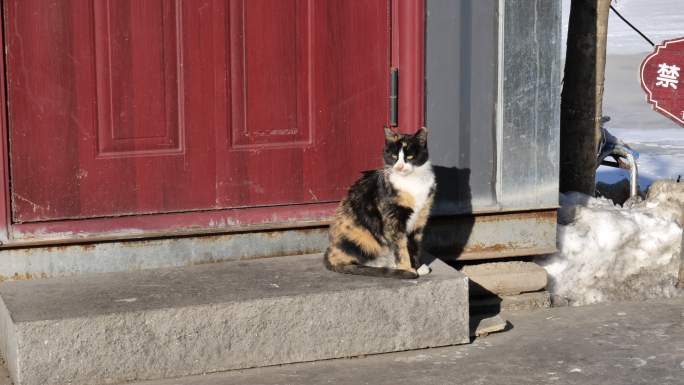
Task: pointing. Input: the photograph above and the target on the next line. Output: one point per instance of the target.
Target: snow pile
(610, 253)
(617, 192)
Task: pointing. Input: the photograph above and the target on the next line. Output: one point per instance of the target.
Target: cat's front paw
(423, 270)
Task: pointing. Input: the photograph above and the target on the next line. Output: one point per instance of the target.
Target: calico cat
(378, 228)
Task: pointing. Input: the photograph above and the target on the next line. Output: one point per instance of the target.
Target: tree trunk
(582, 94)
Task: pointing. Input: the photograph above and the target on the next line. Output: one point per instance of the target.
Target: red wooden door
(121, 107)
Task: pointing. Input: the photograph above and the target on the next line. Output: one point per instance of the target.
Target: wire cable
(633, 27)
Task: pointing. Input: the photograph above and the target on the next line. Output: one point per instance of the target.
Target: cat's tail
(369, 270)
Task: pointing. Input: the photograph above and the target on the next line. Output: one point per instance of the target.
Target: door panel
(133, 107)
(137, 52)
(270, 98)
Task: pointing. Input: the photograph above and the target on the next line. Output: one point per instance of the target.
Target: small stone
(484, 326)
(558, 301)
(424, 270)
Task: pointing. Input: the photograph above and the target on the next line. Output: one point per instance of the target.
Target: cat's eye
(409, 157)
(394, 157)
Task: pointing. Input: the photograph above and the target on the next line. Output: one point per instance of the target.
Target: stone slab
(508, 303)
(115, 327)
(505, 278)
(526, 301)
(482, 326)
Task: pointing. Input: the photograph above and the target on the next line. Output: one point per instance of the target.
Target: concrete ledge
(114, 327)
(132, 255)
(492, 235)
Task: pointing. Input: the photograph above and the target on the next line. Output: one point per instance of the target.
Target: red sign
(660, 78)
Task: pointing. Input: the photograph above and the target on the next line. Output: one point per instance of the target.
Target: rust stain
(468, 255)
(22, 276)
(88, 246)
(480, 248)
(58, 248)
(545, 216)
(471, 219)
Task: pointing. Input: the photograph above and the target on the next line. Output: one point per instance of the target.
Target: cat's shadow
(454, 194)
(451, 221)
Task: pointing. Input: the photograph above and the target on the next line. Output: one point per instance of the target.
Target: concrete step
(114, 327)
(603, 344)
(504, 278)
(509, 303)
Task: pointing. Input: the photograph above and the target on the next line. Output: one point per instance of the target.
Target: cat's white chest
(418, 184)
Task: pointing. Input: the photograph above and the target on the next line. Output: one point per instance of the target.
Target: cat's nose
(399, 167)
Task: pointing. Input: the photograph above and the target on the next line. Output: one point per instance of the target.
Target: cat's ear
(421, 135)
(390, 135)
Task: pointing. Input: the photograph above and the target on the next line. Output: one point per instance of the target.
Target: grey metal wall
(494, 129)
(531, 104)
(461, 93)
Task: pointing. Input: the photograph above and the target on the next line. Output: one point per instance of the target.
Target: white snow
(661, 155)
(608, 252)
